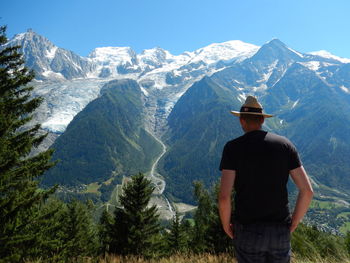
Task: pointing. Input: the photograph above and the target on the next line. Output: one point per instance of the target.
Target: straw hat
(251, 106)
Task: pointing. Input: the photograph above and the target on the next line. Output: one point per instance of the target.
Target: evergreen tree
(217, 239)
(80, 232)
(119, 233)
(187, 227)
(136, 225)
(104, 231)
(208, 235)
(176, 238)
(19, 172)
(201, 218)
(50, 231)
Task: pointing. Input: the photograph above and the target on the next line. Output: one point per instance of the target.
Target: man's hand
(229, 230)
(293, 227)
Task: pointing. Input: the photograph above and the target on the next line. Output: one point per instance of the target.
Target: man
(257, 166)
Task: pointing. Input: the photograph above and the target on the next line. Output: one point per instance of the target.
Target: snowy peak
(155, 54)
(47, 60)
(275, 49)
(276, 43)
(38, 50)
(115, 55)
(36, 46)
(230, 50)
(123, 60)
(154, 57)
(31, 37)
(328, 55)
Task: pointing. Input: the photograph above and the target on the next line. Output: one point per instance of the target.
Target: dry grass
(186, 258)
(179, 258)
(320, 260)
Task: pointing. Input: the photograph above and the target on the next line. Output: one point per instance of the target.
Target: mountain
(316, 116)
(77, 80)
(311, 108)
(199, 126)
(107, 138)
(48, 61)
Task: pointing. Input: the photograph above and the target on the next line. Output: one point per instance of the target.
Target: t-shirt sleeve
(227, 159)
(295, 161)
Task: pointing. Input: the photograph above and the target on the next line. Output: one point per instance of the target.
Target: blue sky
(182, 25)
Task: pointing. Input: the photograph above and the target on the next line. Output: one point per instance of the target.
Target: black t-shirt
(262, 162)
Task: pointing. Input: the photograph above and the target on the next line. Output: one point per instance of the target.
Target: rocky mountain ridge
(75, 80)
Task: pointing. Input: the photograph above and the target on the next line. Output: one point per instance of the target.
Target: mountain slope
(105, 139)
(199, 126)
(311, 109)
(317, 118)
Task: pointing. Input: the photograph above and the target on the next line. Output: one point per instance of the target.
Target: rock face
(48, 61)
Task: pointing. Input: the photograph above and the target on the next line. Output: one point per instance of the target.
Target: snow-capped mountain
(114, 61)
(53, 63)
(69, 82)
(49, 61)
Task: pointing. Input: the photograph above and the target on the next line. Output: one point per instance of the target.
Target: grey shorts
(262, 243)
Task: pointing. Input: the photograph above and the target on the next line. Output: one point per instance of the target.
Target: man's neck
(250, 129)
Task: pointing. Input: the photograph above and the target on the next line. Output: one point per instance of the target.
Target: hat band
(250, 109)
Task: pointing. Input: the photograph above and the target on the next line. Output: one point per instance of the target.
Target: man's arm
(302, 182)
(226, 185)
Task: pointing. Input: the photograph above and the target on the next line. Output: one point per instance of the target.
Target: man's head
(251, 122)
(251, 115)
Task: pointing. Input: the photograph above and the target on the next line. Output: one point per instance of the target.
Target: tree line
(34, 224)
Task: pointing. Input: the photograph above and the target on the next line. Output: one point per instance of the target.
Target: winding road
(154, 166)
(157, 180)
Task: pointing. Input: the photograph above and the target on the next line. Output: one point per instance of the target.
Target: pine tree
(208, 234)
(104, 231)
(136, 224)
(216, 237)
(19, 172)
(201, 218)
(119, 233)
(176, 238)
(80, 232)
(50, 231)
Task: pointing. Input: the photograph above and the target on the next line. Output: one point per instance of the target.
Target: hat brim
(238, 114)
